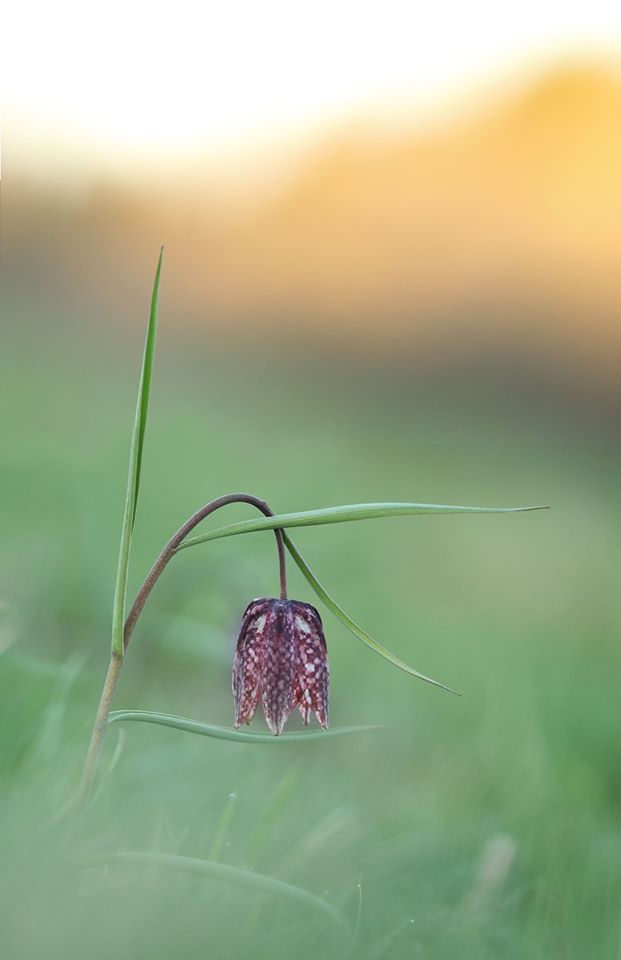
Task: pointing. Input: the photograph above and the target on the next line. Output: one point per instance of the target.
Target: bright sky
(121, 82)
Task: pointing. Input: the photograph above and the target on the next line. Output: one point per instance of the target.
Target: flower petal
(248, 663)
(311, 689)
(279, 666)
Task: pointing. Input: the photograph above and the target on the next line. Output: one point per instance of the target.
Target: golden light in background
(487, 212)
(123, 85)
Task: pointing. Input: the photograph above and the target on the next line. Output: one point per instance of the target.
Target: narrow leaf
(135, 464)
(222, 829)
(226, 733)
(342, 514)
(225, 872)
(353, 627)
(144, 391)
(384, 945)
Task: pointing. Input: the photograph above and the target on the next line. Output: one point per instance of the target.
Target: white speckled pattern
(282, 660)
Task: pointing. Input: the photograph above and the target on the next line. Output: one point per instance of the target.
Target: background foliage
(485, 826)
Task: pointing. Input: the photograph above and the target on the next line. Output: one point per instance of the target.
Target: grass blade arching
(224, 872)
(353, 627)
(343, 514)
(227, 733)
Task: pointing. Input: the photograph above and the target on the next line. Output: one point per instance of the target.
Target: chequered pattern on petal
(248, 662)
(279, 667)
(312, 679)
(282, 660)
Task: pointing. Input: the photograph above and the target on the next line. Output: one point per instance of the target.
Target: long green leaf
(135, 464)
(225, 733)
(353, 627)
(225, 872)
(342, 514)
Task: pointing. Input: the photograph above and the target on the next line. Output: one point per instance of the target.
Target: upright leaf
(135, 464)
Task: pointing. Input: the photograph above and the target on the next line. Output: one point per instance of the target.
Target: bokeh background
(393, 249)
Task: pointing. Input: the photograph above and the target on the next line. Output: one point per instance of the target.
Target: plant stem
(116, 661)
(171, 548)
(99, 727)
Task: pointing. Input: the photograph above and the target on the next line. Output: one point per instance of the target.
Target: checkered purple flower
(281, 660)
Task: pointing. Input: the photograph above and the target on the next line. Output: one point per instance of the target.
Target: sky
(133, 84)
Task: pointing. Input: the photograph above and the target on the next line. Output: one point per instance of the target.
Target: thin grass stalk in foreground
(225, 872)
(387, 942)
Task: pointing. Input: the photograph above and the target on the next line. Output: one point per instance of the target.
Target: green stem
(116, 660)
(100, 725)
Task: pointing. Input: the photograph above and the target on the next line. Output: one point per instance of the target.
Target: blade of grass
(342, 514)
(112, 764)
(225, 872)
(353, 627)
(356, 930)
(224, 823)
(225, 733)
(268, 819)
(135, 464)
(381, 948)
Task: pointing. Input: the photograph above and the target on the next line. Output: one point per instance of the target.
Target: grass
(401, 831)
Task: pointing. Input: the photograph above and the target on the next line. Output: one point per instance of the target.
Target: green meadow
(484, 826)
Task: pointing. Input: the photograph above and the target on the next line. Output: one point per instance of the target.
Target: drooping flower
(282, 660)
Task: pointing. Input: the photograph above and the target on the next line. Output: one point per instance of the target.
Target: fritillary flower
(281, 660)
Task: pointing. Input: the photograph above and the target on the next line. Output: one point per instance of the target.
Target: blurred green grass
(485, 826)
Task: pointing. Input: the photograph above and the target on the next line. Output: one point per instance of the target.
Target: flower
(282, 660)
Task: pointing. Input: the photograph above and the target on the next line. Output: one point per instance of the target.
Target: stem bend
(116, 661)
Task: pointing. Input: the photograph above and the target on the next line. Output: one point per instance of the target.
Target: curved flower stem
(116, 661)
(171, 548)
